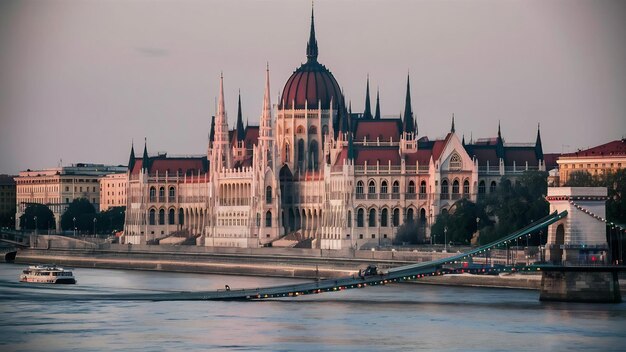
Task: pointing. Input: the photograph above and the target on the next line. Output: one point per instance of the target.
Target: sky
(82, 80)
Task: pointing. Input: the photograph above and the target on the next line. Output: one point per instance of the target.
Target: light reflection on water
(381, 318)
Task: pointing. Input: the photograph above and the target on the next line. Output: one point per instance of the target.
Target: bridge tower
(580, 237)
(578, 248)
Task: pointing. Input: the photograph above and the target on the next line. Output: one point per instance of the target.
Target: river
(399, 317)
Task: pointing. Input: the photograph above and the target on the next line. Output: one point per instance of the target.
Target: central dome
(312, 83)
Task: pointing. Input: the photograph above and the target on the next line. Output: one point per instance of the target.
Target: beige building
(7, 200)
(314, 170)
(58, 187)
(113, 191)
(597, 161)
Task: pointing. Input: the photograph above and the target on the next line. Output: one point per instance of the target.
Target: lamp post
(35, 218)
(94, 226)
(74, 220)
(445, 239)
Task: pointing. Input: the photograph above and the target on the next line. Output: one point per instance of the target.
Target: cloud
(152, 52)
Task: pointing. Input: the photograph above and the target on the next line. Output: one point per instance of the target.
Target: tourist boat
(47, 274)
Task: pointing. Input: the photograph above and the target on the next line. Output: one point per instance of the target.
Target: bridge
(576, 237)
(448, 265)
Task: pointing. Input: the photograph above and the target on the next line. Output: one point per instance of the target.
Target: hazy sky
(80, 79)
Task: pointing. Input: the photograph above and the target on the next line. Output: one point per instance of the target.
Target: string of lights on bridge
(597, 217)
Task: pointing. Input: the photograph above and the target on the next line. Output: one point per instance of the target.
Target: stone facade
(58, 187)
(313, 169)
(113, 191)
(597, 161)
(580, 237)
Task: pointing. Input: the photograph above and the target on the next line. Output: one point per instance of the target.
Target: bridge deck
(403, 273)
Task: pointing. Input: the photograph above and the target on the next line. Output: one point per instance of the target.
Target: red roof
(251, 136)
(613, 148)
(520, 156)
(180, 165)
(439, 145)
(484, 155)
(550, 160)
(310, 84)
(380, 155)
(384, 130)
(422, 156)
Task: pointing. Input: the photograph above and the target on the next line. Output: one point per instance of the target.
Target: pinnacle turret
(367, 113)
(311, 46)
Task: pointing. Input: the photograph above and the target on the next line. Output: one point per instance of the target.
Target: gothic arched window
(455, 162)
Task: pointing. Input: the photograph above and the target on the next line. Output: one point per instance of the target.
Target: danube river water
(399, 317)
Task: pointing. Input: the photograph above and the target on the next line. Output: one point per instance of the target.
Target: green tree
(615, 183)
(407, 233)
(44, 217)
(581, 178)
(81, 210)
(516, 205)
(111, 220)
(459, 223)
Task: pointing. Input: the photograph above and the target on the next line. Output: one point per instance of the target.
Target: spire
(463, 141)
(145, 160)
(377, 114)
(538, 147)
(240, 131)
(311, 46)
(221, 142)
(409, 124)
(212, 131)
(499, 144)
(452, 128)
(344, 123)
(131, 159)
(266, 117)
(351, 153)
(367, 113)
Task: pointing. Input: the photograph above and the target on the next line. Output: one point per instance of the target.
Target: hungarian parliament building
(314, 172)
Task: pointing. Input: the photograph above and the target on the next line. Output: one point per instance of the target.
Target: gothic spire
(452, 128)
(377, 114)
(240, 131)
(145, 160)
(266, 117)
(311, 46)
(131, 159)
(538, 147)
(367, 113)
(221, 143)
(212, 130)
(351, 153)
(499, 144)
(409, 124)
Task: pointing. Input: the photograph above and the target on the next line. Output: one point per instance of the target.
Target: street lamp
(445, 239)
(74, 219)
(35, 218)
(94, 226)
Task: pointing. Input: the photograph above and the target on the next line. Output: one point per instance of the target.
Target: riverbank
(254, 265)
(268, 262)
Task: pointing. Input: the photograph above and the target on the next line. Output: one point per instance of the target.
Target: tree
(111, 220)
(407, 233)
(459, 224)
(581, 178)
(516, 205)
(44, 217)
(616, 191)
(81, 210)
